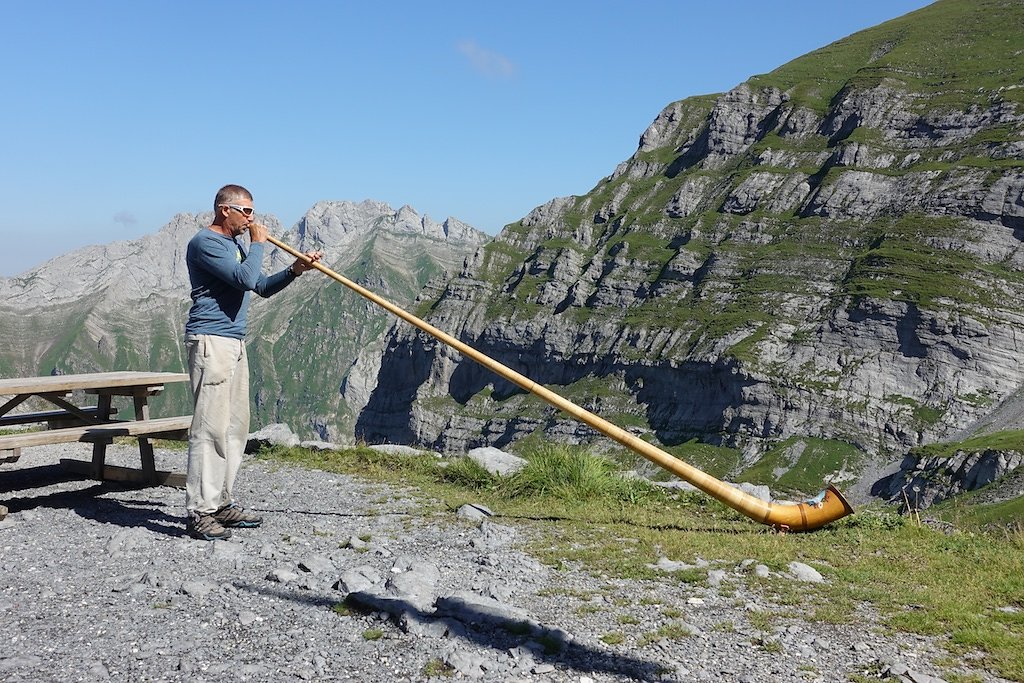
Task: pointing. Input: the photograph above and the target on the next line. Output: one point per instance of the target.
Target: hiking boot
(206, 527)
(237, 516)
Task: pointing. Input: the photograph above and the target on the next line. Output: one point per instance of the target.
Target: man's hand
(301, 266)
(258, 232)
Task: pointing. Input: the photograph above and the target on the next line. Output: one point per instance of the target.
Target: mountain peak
(340, 222)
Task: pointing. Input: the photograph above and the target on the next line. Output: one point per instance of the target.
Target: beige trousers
(219, 371)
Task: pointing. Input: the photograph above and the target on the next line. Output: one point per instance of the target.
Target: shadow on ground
(87, 501)
(486, 629)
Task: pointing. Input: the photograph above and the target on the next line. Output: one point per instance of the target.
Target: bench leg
(141, 406)
(145, 447)
(99, 449)
(148, 461)
(99, 459)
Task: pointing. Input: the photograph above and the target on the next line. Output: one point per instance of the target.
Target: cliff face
(922, 482)
(124, 305)
(830, 250)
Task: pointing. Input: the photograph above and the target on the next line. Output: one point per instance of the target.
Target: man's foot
(237, 516)
(206, 527)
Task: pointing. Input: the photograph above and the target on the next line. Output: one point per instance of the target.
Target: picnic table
(95, 423)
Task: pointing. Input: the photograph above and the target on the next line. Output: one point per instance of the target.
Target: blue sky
(117, 115)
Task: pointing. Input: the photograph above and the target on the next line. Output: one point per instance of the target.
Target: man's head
(233, 209)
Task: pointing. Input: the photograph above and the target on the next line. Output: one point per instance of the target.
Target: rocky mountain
(925, 481)
(124, 305)
(315, 347)
(819, 268)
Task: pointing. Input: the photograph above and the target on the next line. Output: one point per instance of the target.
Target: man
(222, 273)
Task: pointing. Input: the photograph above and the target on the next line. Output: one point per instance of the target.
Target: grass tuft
(437, 668)
(571, 474)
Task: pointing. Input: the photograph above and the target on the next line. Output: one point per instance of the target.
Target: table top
(92, 380)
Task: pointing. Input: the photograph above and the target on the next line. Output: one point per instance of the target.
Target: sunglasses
(244, 210)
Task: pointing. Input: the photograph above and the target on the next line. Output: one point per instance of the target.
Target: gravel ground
(101, 583)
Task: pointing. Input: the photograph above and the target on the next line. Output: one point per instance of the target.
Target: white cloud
(490, 64)
(125, 218)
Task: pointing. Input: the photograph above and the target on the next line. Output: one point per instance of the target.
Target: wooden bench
(93, 424)
(55, 418)
(172, 428)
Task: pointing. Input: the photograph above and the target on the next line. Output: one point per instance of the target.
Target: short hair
(230, 193)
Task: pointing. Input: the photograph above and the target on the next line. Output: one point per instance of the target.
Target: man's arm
(222, 259)
(267, 286)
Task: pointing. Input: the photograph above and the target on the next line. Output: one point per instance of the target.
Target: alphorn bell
(827, 506)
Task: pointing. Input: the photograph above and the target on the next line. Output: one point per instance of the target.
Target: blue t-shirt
(222, 274)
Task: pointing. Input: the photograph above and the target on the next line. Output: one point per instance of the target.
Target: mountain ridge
(830, 250)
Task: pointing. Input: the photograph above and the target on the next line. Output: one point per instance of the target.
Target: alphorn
(826, 507)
